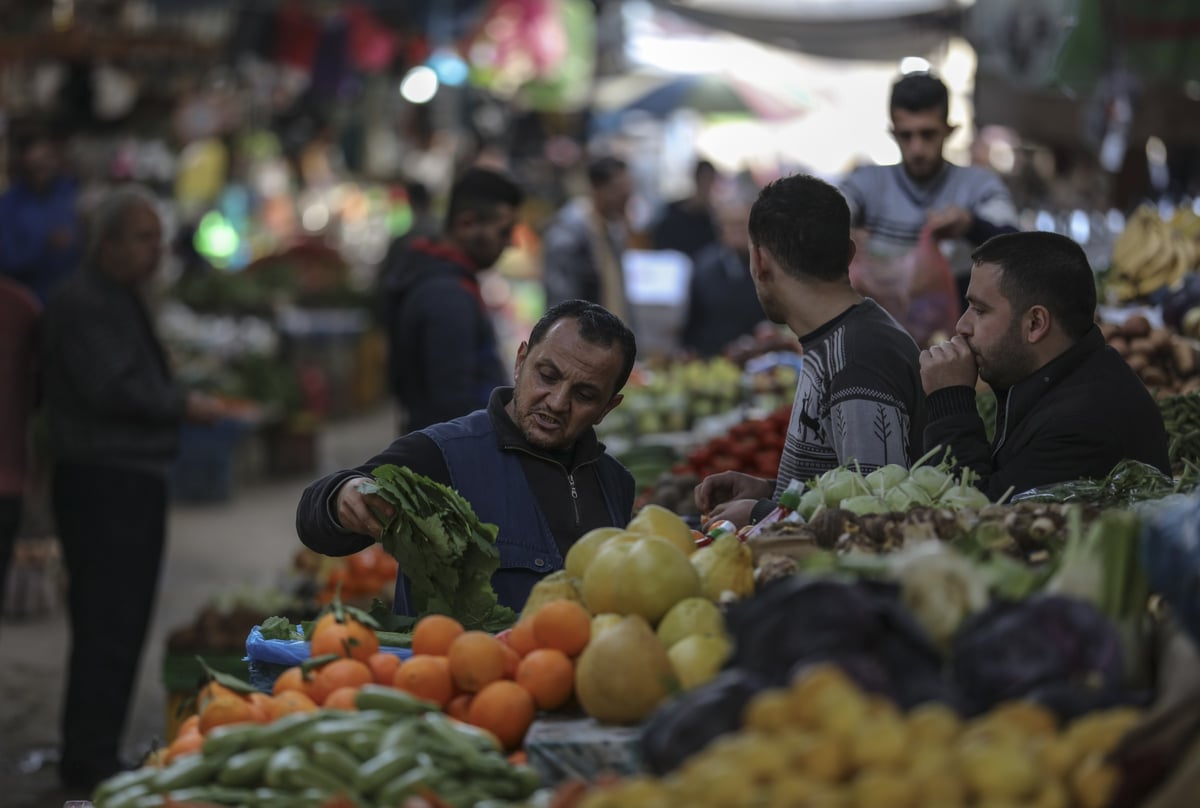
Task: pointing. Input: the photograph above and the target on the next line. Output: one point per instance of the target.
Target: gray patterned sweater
(859, 397)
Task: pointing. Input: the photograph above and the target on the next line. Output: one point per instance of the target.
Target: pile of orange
(360, 576)
(497, 683)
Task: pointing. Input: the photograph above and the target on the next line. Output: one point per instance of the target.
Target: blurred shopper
(529, 463)
(18, 323)
(859, 396)
(1068, 406)
(443, 354)
(688, 225)
(583, 246)
(40, 229)
(722, 301)
(114, 414)
(894, 203)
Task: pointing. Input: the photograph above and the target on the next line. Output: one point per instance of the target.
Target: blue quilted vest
(494, 483)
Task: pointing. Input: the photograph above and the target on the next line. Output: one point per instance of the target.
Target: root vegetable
(1136, 326)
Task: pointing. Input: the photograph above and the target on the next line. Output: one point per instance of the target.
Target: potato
(1120, 345)
(1143, 345)
(1136, 326)
(1183, 356)
(1137, 362)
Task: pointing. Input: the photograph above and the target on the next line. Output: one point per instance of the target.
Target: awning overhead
(845, 29)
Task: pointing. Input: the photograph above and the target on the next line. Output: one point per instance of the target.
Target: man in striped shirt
(859, 397)
(963, 206)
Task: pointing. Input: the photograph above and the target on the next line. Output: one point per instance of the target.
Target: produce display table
(565, 747)
(182, 677)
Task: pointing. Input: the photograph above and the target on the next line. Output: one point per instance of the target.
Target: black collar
(508, 437)
(1025, 394)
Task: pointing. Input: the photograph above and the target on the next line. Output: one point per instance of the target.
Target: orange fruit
(564, 625)
(260, 706)
(520, 638)
(383, 667)
(459, 705)
(290, 701)
(476, 659)
(511, 660)
(341, 699)
(549, 676)
(293, 678)
(426, 677)
(504, 709)
(225, 709)
(210, 691)
(434, 633)
(190, 724)
(337, 674)
(185, 743)
(348, 637)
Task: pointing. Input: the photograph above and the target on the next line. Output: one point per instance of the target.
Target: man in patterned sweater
(859, 397)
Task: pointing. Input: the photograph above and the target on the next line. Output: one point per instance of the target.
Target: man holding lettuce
(529, 463)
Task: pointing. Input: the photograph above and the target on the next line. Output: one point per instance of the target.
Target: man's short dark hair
(1045, 269)
(602, 170)
(805, 223)
(597, 325)
(704, 168)
(918, 92)
(482, 190)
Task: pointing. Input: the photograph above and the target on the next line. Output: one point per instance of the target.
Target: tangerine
(383, 667)
(190, 724)
(549, 676)
(290, 701)
(210, 691)
(511, 660)
(185, 743)
(459, 706)
(426, 677)
(225, 709)
(339, 673)
(564, 625)
(342, 699)
(476, 659)
(293, 678)
(348, 637)
(433, 634)
(504, 709)
(260, 706)
(520, 637)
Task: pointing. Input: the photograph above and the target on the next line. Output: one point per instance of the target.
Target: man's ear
(758, 261)
(853, 251)
(1037, 324)
(522, 352)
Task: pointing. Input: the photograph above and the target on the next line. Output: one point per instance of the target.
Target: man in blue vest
(530, 462)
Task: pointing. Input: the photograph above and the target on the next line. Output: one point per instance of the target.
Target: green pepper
(404, 735)
(219, 795)
(406, 785)
(363, 745)
(336, 730)
(193, 770)
(245, 768)
(224, 741)
(391, 700)
(283, 731)
(383, 768)
(284, 762)
(336, 760)
(125, 798)
(312, 777)
(122, 781)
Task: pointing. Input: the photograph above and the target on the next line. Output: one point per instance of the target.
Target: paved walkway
(211, 549)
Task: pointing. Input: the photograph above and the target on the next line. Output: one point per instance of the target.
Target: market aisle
(211, 548)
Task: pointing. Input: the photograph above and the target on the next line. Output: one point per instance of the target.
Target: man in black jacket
(443, 356)
(1068, 407)
(530, 463)
(113, 411)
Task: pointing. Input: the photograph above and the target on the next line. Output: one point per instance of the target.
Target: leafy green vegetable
(280, 628)
(446, 553)
(1128, 483)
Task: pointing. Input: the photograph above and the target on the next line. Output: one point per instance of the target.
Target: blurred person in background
(893, 203)
(443, 354)
(114, 414)
(722, 301)
(18, 324)
(583, 246)
(859, 397)
(689, 224)
(40, 227)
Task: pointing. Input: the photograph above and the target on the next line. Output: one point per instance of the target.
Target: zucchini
(283, 763)
(193, 770)
(391, 700)
(336, 760)
(221, 742)
(245, 768)
(122, 781)
(383, 768)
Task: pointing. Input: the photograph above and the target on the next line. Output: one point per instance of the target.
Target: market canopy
(847, 29)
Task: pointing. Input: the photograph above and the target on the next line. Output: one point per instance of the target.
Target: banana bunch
(1152, 253)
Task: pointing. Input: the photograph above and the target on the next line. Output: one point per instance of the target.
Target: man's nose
(964, 327)
(558, 398)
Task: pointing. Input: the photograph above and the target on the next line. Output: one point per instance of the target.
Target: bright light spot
(419, 85)
(1045, 221)
(1115, 221)
(1156, 151)
(1081, 227)
(914, 64)
(315, 217)
(451, 70)
(215, 238)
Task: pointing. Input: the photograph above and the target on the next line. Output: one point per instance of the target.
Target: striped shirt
(893, 208)
(859, 397)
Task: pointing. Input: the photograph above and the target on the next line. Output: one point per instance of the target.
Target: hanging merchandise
(202, 169)
(297, 37)
(372, 45)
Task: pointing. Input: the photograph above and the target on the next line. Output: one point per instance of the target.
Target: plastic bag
(917, 288)
(1130, 482)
